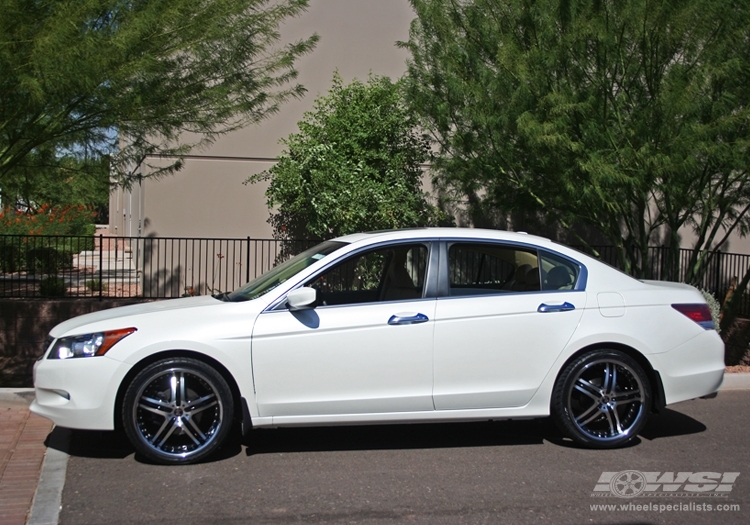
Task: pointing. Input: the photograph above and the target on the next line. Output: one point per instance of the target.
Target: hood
(136, 309)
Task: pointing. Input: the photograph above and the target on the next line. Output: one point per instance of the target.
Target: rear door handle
(408, 318)
(565, 307)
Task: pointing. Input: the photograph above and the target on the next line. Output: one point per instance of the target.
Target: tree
(355, 165)
(49, 178)
(136, 80)
(629, 117)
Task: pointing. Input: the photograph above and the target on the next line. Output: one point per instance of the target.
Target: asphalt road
(493, 472)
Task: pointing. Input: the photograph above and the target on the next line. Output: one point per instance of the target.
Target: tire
(602, 399)
(177, 411)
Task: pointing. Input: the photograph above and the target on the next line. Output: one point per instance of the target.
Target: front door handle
(409, 318)
(565, 307)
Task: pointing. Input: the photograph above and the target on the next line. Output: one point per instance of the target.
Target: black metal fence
(151, 267)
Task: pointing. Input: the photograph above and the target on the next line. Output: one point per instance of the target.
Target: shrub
(95, 285)
(715, 307)
(10, 258)
(44, 260)
(46, 220)
(52, 287)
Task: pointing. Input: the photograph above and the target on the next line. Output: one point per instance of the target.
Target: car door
(365, 348)
(503, 316)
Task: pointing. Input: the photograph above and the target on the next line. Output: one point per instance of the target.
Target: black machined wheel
(602, 399)
(177, 411)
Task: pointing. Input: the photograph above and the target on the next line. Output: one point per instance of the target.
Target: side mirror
(302, 299)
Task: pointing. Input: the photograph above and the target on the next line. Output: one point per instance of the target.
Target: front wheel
(602, 399)
(177, 411)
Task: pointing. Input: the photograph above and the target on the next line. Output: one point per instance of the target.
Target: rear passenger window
(558, 273)
(480, 269)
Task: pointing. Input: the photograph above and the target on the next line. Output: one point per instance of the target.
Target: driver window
(386, 274)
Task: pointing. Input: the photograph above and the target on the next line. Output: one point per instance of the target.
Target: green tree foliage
(49, 178)
(136, 79)
(355, 165)
(629, 117)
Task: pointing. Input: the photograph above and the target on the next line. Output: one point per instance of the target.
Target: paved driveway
(493, 472)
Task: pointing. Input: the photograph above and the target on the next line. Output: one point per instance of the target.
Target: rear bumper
(693, 369)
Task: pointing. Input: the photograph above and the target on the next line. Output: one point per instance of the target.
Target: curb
(17, 396)
(738, 381)
(45, 509)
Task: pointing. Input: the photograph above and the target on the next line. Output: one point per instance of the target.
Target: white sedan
(417, 325)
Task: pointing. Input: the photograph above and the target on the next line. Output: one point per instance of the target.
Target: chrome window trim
(444, 291)
(430, 280)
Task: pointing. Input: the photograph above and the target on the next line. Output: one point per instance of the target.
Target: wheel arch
(239, 405)
(658, 398)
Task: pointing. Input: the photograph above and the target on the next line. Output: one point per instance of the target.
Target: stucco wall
(207, 197)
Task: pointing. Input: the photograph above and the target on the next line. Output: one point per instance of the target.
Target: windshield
(283, 272)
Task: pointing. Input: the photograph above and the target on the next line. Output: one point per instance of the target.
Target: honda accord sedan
(402, 326)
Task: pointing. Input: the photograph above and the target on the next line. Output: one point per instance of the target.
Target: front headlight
(87, 345)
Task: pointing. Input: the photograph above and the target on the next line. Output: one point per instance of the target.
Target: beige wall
(207, 197)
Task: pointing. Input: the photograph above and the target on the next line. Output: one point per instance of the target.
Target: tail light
(700, 313)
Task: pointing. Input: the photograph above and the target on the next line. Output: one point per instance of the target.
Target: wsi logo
(634, 483)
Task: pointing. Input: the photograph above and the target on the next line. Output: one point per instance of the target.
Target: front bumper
(78, 393)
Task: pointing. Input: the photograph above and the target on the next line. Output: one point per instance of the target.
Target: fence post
(101, 274)
(247, 266)
(718, 271)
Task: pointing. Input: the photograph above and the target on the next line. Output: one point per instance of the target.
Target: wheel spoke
(156, 435)
(614, 421)
(173, 388)
(154, 410)
(613, 381)
(201, 404)
(195, 427)
(175, 426)
(593, 408)
(199, 409)
(183, 398)
(587, 388)
(186, 430)
(627, 397)
(154, 403)
(607, 377)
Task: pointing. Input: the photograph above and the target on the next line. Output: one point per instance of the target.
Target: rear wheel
(602, 399)
(177, 411)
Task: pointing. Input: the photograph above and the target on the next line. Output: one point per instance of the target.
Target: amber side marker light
(113, 336)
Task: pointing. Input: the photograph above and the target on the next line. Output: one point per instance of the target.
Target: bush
(715, 307)
(10, 258)
(46, 220)
(44, 260)
(95, 285)
(355, 165)
(52, 287)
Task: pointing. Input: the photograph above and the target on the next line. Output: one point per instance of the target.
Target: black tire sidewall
(145, 376)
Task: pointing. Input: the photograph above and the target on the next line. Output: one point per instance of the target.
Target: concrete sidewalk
(24, 458)
(22, 451)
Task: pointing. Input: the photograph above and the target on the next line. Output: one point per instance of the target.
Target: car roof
(437, 233)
